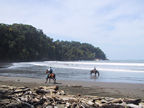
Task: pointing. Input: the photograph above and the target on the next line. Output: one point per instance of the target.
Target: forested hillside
(19, 42)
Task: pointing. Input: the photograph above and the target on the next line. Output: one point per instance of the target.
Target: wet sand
(104, 89)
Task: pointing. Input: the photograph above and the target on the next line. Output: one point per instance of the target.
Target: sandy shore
(83, 88)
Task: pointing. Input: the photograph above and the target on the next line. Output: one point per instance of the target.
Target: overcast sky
(116, 26)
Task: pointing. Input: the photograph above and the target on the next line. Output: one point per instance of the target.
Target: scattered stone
(61, 92)
(52, 97)
(132, 101)
(117, 101)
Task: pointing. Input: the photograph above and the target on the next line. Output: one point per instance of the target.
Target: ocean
(110, 71)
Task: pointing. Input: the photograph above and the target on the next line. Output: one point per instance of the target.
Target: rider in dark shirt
(48, 72)
(51, 70)
(95, 69)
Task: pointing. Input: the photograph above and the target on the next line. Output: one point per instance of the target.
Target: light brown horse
(50, 76)
(95, 72)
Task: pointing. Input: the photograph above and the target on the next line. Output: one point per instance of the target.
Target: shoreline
(5, 64)
(104, 89)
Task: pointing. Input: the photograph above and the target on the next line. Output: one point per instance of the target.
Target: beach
(23, 84)
(103, 89)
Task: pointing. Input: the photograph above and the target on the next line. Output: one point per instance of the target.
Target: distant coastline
(20, 42)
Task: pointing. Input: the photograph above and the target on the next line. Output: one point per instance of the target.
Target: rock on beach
(52, 97)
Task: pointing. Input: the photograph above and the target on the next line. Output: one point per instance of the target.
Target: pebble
(52, 97)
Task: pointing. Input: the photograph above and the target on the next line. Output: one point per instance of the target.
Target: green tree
(20, 42)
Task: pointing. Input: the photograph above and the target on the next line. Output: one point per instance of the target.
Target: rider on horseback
(50, 74)
(51, 70)
(95, 71)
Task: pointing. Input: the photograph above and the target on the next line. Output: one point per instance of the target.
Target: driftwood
(51, 96)
(49, 87)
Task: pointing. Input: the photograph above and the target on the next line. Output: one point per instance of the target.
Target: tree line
(20, 42)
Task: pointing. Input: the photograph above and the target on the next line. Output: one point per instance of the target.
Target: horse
(50, 76)
(95, 72)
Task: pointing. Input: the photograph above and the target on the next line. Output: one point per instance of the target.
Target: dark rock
(41, 91)
(133, 101)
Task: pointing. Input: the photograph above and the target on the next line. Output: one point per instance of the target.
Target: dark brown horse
(50, 76)
(95, 72)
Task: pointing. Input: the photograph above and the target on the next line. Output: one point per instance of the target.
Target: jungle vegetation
(21, 42)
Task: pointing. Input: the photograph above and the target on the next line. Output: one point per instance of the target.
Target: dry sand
(83, 88)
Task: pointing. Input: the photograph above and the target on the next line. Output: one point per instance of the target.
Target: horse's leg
(95, 74)
(54, 80)
(46, 80)
(91, 73)
(98, 73)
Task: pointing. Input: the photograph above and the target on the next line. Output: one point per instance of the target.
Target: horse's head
(91, 71)
(47, 71)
